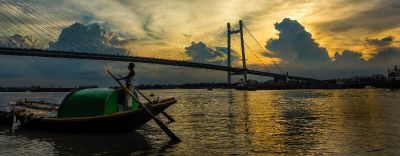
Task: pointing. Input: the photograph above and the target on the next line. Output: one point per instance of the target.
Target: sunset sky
(306, 37)
(336, 25)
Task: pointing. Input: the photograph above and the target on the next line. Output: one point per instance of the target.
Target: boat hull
(118, 122)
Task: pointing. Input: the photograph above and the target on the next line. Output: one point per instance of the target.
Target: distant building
(394, 74)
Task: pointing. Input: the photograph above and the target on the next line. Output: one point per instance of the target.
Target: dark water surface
(308, 122)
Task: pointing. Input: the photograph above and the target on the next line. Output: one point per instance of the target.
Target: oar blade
(167, 131)
(170, 119)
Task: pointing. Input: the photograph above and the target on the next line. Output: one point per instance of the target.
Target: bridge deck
(91, 56)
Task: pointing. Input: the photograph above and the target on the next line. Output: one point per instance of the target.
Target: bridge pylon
(229, 33)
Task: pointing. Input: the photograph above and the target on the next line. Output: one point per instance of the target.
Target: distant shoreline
(209, 86)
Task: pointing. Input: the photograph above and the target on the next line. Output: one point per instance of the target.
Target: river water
(224, 122)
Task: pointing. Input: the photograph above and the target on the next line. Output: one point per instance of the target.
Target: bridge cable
(259, 59)
(5, 34)
(7, 37)
(61, 22)
(50, 19)
(17, 20)
(266, 51)
(35, 16)
(43, 23)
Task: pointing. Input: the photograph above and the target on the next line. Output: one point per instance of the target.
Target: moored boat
(93, 110)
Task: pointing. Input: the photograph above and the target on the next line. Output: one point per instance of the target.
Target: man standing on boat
(130, 84)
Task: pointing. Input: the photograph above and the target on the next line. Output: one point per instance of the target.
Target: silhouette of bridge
(36, 11)
(77, 55)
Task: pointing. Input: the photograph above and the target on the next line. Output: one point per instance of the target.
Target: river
(230, 122)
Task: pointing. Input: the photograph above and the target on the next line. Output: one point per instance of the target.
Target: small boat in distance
(248, 87)
(369, 87)
(93, 110)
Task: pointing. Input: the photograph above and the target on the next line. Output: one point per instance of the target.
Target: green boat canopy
(91, 102)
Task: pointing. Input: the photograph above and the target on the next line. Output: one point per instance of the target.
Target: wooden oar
(162, 112)
(170, 119)
(167, 131)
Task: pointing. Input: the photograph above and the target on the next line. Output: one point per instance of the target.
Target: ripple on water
(337, 122)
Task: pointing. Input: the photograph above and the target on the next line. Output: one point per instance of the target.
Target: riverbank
(258, 86)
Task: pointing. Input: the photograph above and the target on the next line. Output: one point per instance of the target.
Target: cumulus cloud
(19, 41)
(61, 71)
(26, 71)
(387, 56)
(295, 43)
(348, 56)
(302, 55)
(199, 52)
(161, 23)
(348, 63)
(92, 38)
(329, 22)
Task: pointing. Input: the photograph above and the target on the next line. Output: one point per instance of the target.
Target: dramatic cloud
(19, 41)
(295, 43)
(224, 50)
(199, 52)
(387, 57)
(328, 29)
(348, 57)
(61, 71)
(91, 39)
(302, 55)
(348, 63)
(26, 71)
(332, 23)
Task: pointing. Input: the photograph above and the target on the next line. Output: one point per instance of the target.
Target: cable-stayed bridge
(29, 28)
(77, 55)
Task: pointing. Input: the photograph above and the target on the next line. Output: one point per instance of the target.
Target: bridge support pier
(228, 53)
(229, 33)
(243, 52)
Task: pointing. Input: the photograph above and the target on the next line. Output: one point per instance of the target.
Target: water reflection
(239, 114)
(363, 118)
(309, 122)
(48, 143)
(299, 122)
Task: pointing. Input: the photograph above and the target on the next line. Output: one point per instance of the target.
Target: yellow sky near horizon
(151, 27)
(318, 18)
(164, 28)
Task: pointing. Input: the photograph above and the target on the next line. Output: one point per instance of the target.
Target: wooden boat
(63, 118)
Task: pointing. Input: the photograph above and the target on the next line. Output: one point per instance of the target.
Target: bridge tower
(229, 34)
